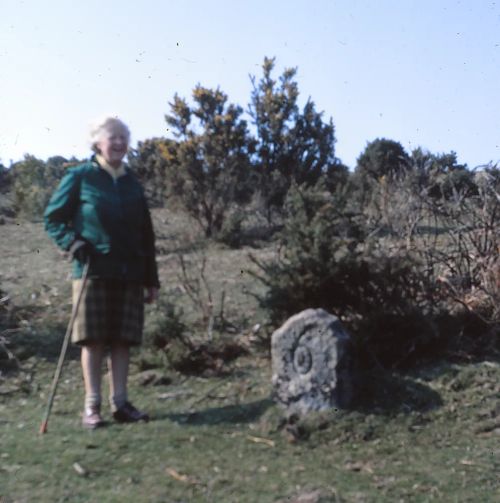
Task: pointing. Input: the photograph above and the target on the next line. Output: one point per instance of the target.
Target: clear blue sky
(424, 73)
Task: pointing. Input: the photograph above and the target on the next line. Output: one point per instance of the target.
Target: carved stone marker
(311, 363)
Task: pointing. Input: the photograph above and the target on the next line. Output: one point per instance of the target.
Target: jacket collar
(115, 173)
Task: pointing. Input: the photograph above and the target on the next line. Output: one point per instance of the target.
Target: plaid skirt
(110, 312)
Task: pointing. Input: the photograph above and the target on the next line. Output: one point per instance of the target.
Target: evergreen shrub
(329, 260)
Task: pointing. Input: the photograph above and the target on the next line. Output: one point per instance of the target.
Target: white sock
(92, 401)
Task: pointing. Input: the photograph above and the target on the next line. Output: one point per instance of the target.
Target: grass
(222, 439)
(430, 435)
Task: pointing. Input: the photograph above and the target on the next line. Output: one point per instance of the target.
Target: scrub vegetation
(256, 219)
(428, 433)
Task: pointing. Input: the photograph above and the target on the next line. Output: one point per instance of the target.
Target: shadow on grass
(231, 414)
(45, 344)
(388, 393)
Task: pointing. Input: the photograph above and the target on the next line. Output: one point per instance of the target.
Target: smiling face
(113, 143)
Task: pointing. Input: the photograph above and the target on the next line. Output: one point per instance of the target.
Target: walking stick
(57, 375)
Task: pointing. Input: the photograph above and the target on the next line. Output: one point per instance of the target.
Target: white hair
(104, 125)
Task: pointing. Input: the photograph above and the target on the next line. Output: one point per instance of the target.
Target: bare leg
(91, 358)
(118, 363)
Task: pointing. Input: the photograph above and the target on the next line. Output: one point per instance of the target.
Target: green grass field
(430, 435)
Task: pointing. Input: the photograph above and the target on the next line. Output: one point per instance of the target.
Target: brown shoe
(127, 413)
(92, 418)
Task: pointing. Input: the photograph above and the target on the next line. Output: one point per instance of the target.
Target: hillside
(428, 435)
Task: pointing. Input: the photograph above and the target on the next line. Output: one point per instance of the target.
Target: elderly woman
(99, 214)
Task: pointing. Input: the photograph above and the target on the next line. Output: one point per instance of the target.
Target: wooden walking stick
(57, 375)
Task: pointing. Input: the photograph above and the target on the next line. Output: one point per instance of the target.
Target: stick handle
(67, 335)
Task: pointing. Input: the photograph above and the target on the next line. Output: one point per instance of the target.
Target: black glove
(80, 250)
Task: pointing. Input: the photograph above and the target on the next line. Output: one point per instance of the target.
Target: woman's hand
(150, 294)
(80, 250)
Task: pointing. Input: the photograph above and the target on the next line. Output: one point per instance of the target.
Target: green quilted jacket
(111, 215)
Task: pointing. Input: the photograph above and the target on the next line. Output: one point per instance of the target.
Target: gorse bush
(149, 161)
(208, 168)
(329, 260)
(316, 239)
(293, 145)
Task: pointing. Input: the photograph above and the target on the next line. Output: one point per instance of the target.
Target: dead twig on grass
(261, 440)
(181, 477)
